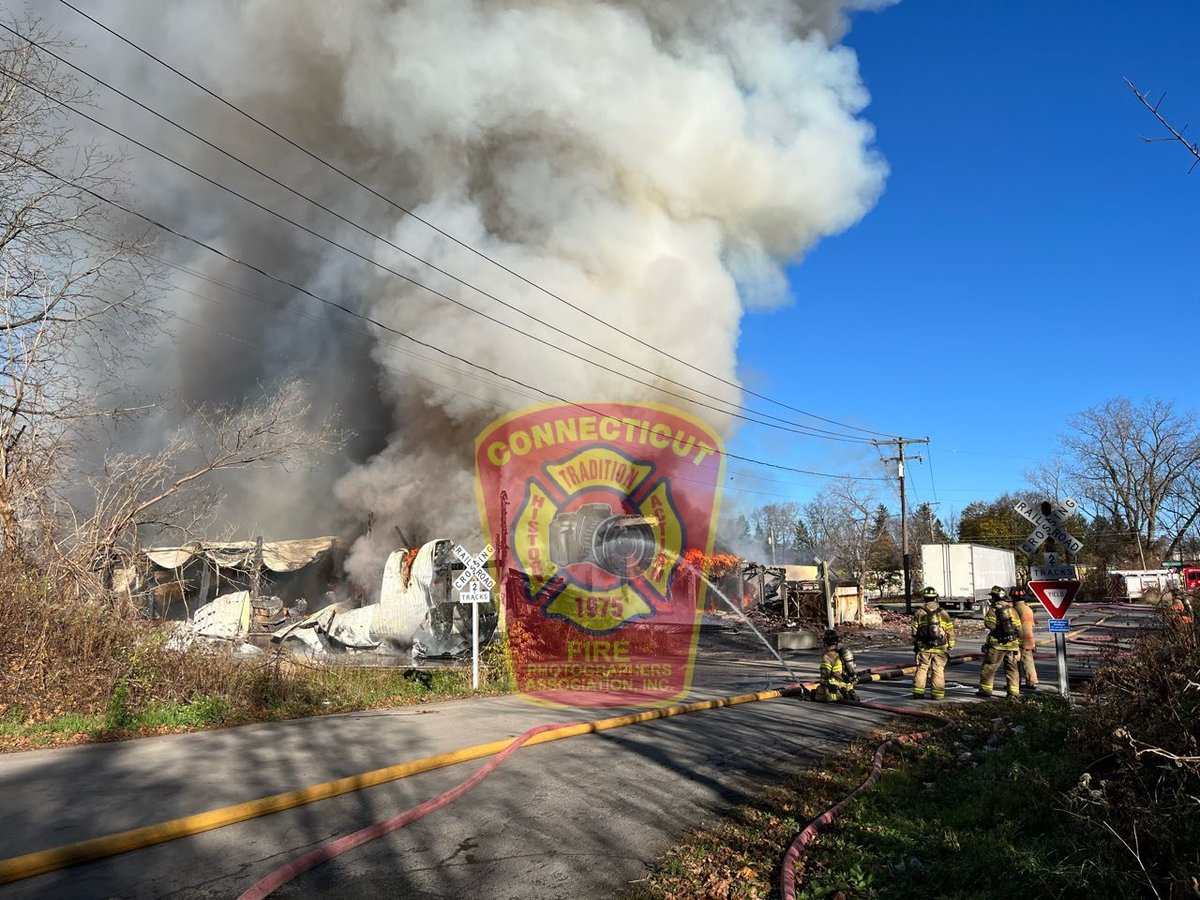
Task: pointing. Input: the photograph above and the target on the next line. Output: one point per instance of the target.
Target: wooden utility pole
(900, 444)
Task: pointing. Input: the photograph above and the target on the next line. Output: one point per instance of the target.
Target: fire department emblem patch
(593, 509)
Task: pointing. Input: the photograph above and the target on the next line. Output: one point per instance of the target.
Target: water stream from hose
(737, 610)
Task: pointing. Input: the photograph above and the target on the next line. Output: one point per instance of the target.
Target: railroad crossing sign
(1047, 523)
(478, 584)
(1056, 596)
(474, 577)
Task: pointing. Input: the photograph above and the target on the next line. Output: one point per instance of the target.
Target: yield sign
(1056, 596)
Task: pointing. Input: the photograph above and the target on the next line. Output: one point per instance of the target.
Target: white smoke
(656, 163)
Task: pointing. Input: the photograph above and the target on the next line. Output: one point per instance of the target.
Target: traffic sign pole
(1053, 584)
(478, 584)
(475, 644)
(1060, 649)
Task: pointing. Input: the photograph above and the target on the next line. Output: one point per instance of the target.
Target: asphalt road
(581, 817)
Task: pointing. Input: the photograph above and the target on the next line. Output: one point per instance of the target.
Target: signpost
(1054, 583)
(478, 586)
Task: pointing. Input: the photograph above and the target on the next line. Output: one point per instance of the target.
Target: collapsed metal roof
(277, 556)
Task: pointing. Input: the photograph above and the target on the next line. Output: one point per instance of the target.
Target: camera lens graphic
(623, 548)
(620, 544)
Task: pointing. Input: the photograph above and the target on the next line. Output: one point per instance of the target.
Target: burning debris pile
(417, 613)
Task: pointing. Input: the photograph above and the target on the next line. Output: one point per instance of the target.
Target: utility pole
(900, 444)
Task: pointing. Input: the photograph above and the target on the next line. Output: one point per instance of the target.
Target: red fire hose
(276, 879)
(281, 876)
(787, 877)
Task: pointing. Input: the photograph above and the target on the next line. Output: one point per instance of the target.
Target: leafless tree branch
(1175, 134)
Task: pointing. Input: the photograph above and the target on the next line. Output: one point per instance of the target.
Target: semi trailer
(964, 574)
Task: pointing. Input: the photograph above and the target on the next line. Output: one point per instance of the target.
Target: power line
(815, 432)
(348, 311)
(932, 483)
(803, 430)
(466, 246)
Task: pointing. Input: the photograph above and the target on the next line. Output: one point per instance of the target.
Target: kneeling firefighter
(838, 674)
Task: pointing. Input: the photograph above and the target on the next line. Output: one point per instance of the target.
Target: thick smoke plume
(655, 163)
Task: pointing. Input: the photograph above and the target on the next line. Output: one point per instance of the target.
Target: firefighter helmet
(831, 637)
(997, 591)
(930, 593)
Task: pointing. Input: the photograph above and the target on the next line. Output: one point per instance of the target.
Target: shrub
(1140, 732)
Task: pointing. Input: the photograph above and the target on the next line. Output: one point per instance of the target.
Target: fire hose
(276, 879)
(42, 861)
(286, 873)
(787, 877)
(281, 876)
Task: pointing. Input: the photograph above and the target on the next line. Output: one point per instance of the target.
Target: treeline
(1133, 467)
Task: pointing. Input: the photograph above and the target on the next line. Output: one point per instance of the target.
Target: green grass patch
(203, 711)
(980, 811)
(256, 692)
(17, 731)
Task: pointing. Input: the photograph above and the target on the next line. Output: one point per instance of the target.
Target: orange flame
(716, 565)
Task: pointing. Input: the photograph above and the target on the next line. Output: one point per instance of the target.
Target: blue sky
(1030, 256)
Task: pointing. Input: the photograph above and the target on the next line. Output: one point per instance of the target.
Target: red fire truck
(1189, 574)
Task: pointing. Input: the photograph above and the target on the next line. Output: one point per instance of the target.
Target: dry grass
(78, 669)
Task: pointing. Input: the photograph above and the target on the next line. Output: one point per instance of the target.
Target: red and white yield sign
(1056, 596)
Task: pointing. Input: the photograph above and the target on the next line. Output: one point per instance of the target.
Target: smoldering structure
(657, 165)
(417, 613)
(262, 597)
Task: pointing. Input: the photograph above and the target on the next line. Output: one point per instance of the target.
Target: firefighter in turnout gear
(1003, 646)
(837, 672)
(933, 639)
(1020, 600)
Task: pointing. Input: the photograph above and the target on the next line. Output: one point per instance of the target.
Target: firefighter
(1177, 607)
(837, 678)
(1020, 600)
(1003, 645)
(933, 639)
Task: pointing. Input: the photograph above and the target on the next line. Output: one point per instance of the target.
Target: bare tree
(1131, 463)
(1174, 134)
(841, 520)
(69, 281)
(176, 489)
(775, 524)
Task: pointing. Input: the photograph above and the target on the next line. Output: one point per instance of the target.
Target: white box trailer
(964, 574)
(1141, 584)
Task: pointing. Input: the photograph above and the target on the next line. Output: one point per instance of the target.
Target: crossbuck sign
(1048, 524)
(474, 577)
(478, 584)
